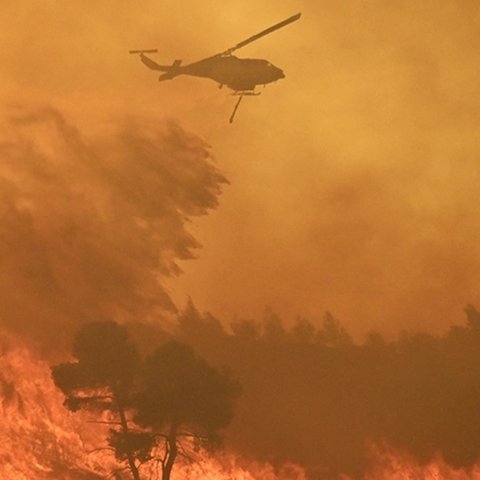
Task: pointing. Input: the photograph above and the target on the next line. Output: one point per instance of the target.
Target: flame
(229, 467)
(41, 440)
(393, 464)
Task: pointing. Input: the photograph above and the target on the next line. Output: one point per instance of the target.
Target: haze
(354, 181)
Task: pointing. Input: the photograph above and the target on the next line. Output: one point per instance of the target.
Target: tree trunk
(126, 431)
(172, 453)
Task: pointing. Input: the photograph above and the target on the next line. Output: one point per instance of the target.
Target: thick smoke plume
(89, 227)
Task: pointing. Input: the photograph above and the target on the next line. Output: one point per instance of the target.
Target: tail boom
(152, 65)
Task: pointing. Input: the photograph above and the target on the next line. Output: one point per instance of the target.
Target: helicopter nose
(280, 74)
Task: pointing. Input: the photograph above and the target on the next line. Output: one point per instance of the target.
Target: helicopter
(241, 75)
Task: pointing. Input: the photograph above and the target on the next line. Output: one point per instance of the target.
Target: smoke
(354, 175)
(359, 194)
(91, 226)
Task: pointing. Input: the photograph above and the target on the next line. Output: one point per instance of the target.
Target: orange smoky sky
(353, 182)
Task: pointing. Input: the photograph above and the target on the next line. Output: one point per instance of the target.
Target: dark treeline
(314, 397)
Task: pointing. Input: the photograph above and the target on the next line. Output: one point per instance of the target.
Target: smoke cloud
(90, 226)
(355, 177)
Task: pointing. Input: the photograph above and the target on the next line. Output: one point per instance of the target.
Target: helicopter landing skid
(247, 93)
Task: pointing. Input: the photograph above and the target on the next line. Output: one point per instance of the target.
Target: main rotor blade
(251, 39)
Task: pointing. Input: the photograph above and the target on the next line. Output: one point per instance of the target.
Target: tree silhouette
(171, 396)
(102, 378)
(332, 334)
(183, 397)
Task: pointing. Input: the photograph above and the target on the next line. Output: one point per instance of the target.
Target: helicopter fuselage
(239, 74)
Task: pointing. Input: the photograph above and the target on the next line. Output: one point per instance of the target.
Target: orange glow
(41, 440)
(390, 464)
(353, 180)
(349, 186)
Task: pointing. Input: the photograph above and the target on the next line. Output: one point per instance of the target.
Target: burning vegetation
(344, 432)
(40, 440)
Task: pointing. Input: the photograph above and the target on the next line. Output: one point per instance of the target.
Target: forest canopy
(313, 396)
